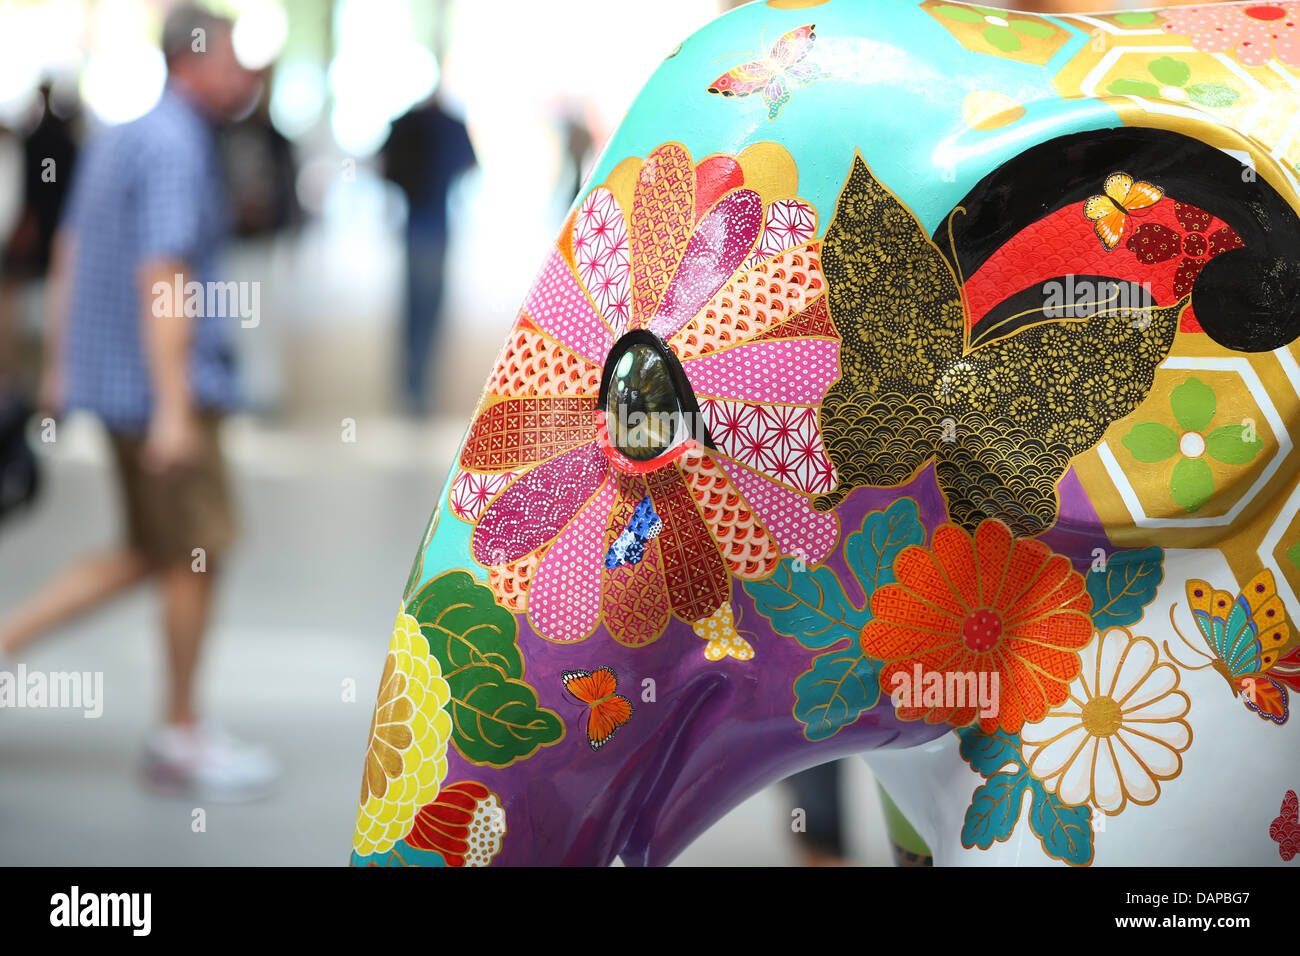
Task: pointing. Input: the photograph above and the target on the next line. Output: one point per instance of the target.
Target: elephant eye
(646, 399)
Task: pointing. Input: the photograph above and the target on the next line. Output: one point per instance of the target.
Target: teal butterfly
(1248, 636)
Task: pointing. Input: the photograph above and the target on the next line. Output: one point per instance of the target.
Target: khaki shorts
(168, 516)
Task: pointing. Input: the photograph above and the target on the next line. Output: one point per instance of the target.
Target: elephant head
(863, 403)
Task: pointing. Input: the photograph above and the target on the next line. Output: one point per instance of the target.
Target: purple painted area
(1078, 530)
(716, 733)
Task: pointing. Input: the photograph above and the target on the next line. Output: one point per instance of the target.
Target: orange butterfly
(1109, 212)
(608, 711)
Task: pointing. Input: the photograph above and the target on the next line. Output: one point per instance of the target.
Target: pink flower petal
(783, 371)
(789, 223)
(718, 246)
(564, 598)
(559, 307)
(535, 509)
(786, 514)
(600, 249)
(471, 492)
(782, 441)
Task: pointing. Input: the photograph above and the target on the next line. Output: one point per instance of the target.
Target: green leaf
(1170, 72)
(808, 605)
(1151, 442)
(1191, 484)
(495, 715)
(994, 810)
(964, 14)
(496, 720)
(1193, 403)
(1212, 94)
(1004, 38)
(465, 626)
(1134, 88)
(1122, 591)
(1230, 446)
(1032, 28)
(1135, 18)
(1064, 830)
(834, 693)
(870, 553)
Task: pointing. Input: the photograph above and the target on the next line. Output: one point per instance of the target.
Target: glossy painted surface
(849, 246)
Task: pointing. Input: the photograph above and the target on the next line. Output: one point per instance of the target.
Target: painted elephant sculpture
(913, 379)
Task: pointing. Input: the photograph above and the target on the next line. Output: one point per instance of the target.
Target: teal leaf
(1065, 831)
(1169, 71)
(988, 753)
(400, 855)
(1004, 38)
(1229, 444)
(994, 810)
(1122, 591)
(1212, 94)
(834, 693)
(808, 605)
(1151, 442)
(870, 553)
(1191, 484)
(1193, 403)
(1134, 88)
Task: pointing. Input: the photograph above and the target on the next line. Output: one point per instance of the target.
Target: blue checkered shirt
(148, 189)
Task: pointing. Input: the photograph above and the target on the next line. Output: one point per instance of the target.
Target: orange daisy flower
(982, 604)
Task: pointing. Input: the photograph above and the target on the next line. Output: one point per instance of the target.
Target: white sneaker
(204, 762)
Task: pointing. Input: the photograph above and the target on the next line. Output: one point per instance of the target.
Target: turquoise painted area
(897, 81)
(449, 548)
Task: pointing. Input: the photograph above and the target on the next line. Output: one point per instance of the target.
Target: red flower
(465, 823)
(1153, 243)
(982, 604)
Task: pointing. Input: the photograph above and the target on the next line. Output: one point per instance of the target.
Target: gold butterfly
(1122, 195)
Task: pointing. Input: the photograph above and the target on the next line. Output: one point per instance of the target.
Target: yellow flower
(1120, 732)
(406, 760)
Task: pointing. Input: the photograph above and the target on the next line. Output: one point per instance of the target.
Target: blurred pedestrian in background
(262, 174)
(147, 213)
(49, 154)
(425, 152)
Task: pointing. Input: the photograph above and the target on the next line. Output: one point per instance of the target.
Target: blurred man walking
(148, 213)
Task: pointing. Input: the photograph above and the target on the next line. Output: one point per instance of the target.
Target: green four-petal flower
(1191, 484)
(1175, 74)
(1005, 38)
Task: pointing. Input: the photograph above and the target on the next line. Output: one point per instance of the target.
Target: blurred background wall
(329, 528)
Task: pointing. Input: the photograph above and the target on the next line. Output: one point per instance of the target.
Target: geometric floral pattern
(780, 440)
(789, 223)
(600, 253)
(471, 492)
(537, 483)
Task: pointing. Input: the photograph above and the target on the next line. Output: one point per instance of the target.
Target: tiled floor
(307, 605)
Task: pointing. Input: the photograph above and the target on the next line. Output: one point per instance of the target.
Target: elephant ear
(1063, 321)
